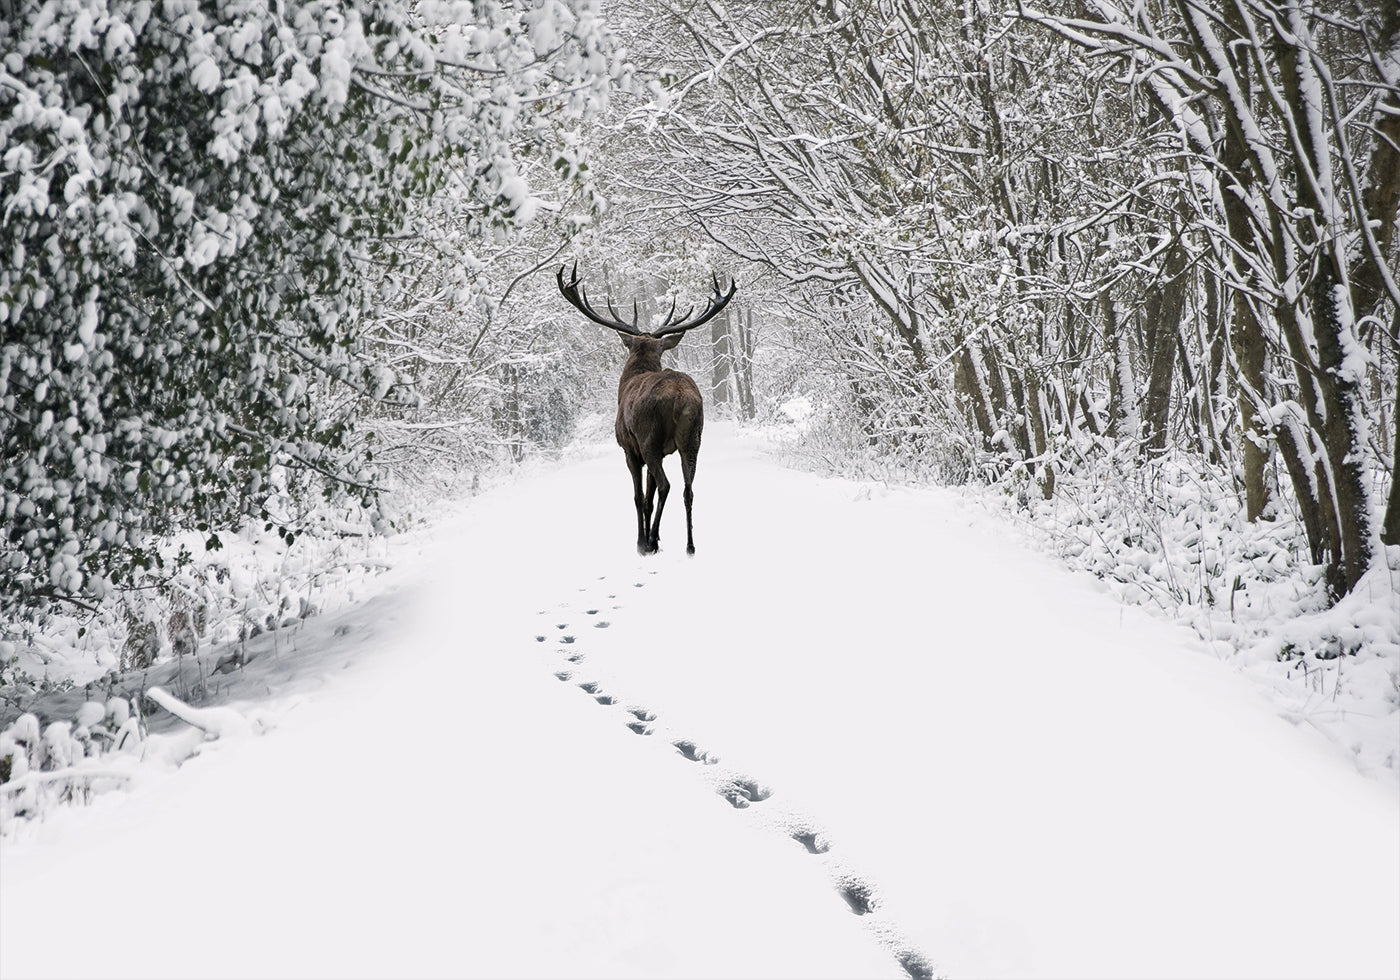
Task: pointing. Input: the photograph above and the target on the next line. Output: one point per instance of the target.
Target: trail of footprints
(739, 790)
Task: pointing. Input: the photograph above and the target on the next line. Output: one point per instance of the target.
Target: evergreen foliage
(198, 203)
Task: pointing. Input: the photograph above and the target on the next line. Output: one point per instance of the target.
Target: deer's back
(659, 407)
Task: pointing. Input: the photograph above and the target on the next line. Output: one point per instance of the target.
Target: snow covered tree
(904, 166)
(1151, 228)
(476, 332)
(1279, 103)
(198, 200)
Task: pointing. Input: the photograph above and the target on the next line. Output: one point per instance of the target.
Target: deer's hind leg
(643, 502)
(689, 447)
(688, 460)
(656, 480)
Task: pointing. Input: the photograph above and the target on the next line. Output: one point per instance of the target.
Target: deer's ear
(668, 342)
(626, 340)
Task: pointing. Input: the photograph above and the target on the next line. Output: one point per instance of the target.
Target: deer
(659, 410)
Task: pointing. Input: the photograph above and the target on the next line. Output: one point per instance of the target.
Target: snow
(1020, 773)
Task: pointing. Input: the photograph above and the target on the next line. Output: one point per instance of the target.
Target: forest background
(288, 270)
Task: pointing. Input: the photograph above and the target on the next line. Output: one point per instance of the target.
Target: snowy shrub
(203, 624)
(835, 436)
(65, 761)
(256, 582)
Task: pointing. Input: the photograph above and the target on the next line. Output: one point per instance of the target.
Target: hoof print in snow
(591, 612)
(642, 714)
(694, 753)
(915, 965)
(566, 639)
(605, 699)
(602, 624)
(809, 840)
(576, 658)
(741, 792)
(563, 675)
(858, 897)
(562, 626)
(639, 728)
(539, 639)
(590, 687)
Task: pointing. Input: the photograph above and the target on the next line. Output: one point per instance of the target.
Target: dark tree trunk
(1292, 444)
(1213, 385)
(996, 385)
(1247, 339)
(1390, 526)
(1341, 391)
(967, 385)
(1339, 378)
(1381, 196)
(1165, 330)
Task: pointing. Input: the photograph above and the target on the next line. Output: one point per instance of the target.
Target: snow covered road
(931, 749)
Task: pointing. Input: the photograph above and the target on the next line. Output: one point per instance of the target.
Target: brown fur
(659, 412)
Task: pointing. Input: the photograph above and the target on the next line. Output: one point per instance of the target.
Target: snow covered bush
(498, 367)
(64, 760)
(196, 198)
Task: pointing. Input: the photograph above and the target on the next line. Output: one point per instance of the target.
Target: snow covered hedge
(194, 197)
(66, 760)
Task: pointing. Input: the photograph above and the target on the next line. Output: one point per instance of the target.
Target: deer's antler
(716, 303)
(574, 292)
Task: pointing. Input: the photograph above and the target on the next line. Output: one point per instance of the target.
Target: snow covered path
(1004, 770)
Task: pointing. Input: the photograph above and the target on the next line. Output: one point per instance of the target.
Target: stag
(659, 410)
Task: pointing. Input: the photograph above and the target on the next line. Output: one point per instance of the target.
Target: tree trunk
(1340, 373)
(967, 385)
(1020, 428)
(1381, 196)
(1122, 390)
(743, 365)
(1213, 384)
(1045, 473)
(996, 388)
(1248, 341)
(1390, 526)
(1302, 469)
(721, 359)
(1165, 333)
(1345, 426)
